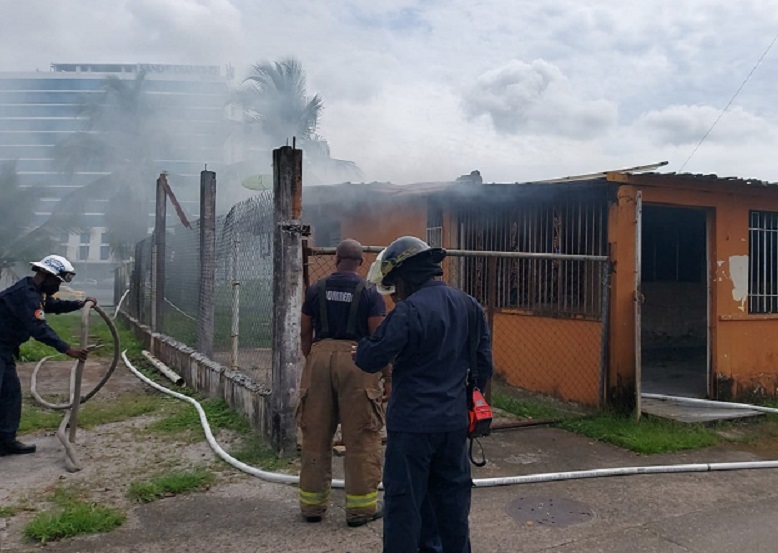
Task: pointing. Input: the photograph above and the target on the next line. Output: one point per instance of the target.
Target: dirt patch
(54, 378)
(112, 455)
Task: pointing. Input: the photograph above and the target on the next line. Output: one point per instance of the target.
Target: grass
(220, 416)
(528, 408)
(253, 451)
(649, 436)
(249, 448)
(68, 327)
(13, 510)
(95, 412)
(255, 315)
(72, 516)
(173, 483)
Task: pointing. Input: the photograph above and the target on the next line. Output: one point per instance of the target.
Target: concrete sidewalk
(701, 512)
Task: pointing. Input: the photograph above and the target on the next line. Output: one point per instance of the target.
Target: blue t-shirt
(340, 292)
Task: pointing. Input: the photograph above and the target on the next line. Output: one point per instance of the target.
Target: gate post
(287, 297)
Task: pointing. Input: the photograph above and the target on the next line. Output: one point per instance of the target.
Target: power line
(697, 147)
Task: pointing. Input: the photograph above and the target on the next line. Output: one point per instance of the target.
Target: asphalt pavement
(712, 512)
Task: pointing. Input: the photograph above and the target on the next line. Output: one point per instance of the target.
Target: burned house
(596, 287)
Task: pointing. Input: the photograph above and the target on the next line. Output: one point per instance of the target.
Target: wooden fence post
(287, 296)
(158, 259)
(205, 319)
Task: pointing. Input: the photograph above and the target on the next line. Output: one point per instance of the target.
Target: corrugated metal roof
(699, 177)
(355, 192)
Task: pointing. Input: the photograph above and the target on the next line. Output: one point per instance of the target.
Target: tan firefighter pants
(334, 389)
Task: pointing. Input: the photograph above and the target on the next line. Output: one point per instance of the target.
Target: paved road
(701, 513)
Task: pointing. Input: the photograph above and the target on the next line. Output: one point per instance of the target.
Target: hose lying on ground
(76, 399)
(282, 478)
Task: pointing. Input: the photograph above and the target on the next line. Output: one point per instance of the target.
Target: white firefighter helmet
(55, 265)
(375, 276)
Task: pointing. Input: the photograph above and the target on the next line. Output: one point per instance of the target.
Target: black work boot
(15, 447)
(379, 513)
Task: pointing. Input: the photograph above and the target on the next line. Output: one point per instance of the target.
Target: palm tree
(276, 107)
(19, 242)
(122, 137)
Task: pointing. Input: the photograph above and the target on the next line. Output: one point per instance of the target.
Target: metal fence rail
(548, 314)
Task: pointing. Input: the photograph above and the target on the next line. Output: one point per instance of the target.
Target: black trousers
(427, 493)
(10, 397)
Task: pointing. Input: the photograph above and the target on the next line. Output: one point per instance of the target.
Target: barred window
(573, 224)
(763, 262)
(434, 225)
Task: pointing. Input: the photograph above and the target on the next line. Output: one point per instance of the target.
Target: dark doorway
(674, 322)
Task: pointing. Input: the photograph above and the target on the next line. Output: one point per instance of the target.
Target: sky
(430, 90)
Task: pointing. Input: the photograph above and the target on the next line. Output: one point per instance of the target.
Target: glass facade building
(38, 110)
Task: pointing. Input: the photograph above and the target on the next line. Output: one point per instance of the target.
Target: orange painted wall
(559, 357)
(744, 347)
(379, 224)
(373, 225)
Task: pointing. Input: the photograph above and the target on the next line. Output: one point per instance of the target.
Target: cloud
(536, 98)
(684, 124)
(198, 24)
(426, 89)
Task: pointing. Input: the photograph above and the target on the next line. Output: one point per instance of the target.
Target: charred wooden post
(158, 258)
(205, 319)
(287, 296)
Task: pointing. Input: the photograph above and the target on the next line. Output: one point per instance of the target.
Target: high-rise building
(38, 110)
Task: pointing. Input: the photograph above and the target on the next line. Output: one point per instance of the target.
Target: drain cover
(556, 512)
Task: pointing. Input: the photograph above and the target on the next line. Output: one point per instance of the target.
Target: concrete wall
(554, 356)
(241, 393)
(744, 354)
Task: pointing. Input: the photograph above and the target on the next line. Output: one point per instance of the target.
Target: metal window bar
(763, 262)
(572, 225)
(475, 281)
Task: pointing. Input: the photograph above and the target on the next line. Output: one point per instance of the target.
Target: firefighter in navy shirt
(426, 338)
(22, 315)
(339, 311)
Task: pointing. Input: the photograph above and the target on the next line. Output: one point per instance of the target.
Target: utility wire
(697, 147)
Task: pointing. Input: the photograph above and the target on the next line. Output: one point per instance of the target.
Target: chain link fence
(548, 314)
(243, 286)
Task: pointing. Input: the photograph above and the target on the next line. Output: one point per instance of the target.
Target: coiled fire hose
(70, 420)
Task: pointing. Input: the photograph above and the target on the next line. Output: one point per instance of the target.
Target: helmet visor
(66, 277)
(375, 276)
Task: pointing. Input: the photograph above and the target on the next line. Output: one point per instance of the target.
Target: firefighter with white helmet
(23, 308)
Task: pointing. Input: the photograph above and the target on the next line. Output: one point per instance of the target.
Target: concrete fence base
(242, 393)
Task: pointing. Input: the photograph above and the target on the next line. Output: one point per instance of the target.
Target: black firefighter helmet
(396, 254)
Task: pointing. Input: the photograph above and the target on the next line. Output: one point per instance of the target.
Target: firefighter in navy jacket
(22, 315)
(426, 471)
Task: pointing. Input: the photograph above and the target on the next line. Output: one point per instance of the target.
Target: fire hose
(71, 408)
(283, 478)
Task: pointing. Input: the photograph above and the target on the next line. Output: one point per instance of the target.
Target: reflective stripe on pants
(333, 389)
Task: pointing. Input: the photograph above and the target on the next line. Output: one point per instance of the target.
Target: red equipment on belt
(480, 416)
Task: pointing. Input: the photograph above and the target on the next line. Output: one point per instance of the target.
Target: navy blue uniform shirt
(340, 288)
(22, 308)
(426, 336)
